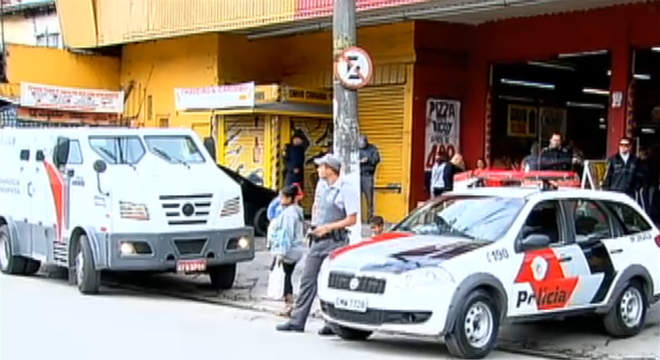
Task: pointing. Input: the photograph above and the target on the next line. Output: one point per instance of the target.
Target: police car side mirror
(62, 151)
(100, 166)
(535, 242)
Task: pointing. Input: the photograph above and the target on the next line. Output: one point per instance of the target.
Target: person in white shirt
(438, 183)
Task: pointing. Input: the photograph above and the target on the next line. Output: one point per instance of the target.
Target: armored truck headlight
(426, 277)
(133, 211)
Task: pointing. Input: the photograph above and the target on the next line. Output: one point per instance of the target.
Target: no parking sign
(353, 68)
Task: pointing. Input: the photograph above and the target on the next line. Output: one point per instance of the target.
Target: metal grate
(231, 207)
(368, 285)
(187, 209)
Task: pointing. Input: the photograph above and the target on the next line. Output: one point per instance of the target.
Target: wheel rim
(80, 264)
(479, 325)
(4, 251)
(631, 307)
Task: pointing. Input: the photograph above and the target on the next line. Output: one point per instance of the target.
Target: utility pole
(3, 75)
(346, 131)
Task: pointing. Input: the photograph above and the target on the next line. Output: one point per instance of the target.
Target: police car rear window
(630, 220)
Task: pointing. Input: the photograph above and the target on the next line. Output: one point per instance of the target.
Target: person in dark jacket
(453, 167)
(645, 179)
(622, 170)
(531, 161)
(555, 157)
(369, 160)
(294, 160)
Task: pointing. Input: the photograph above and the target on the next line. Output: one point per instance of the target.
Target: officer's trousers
(309, 281)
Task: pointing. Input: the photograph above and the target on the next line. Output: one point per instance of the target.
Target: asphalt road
(44, 319)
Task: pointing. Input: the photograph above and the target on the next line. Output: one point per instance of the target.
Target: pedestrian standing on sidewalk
(286, 239)
(294, 160)
(335, 209)
(438, 175)
(369, 160)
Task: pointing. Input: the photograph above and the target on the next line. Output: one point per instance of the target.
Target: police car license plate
(351, 304)
(191, 266)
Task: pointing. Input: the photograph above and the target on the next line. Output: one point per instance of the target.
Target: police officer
(336, 205)
(556, 157)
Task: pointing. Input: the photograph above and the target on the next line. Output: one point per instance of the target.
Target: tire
(350, 334)
(32, 266)
(260, 222)
(628, 315)
(222, 276)
(88, 278)
(9, 264)
(477, 346)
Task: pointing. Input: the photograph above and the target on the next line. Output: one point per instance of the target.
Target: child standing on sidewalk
(286, 239)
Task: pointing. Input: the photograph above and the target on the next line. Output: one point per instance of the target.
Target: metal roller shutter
(244, 148)
(381, 115)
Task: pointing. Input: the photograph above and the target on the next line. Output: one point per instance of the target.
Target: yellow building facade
(253, 143)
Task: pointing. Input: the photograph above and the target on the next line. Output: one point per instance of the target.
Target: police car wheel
(88, 278)
(476, 327)
(222, 276)
(9, 264)
(350, 334)
(628, 316)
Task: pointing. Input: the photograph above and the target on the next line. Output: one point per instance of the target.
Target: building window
(49, 40)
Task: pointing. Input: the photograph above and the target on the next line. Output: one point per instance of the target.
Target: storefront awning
(472, 12)
(247, 98)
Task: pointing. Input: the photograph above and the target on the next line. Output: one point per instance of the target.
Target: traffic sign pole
(345, 111)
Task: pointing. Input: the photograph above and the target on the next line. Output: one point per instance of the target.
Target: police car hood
(396, 252)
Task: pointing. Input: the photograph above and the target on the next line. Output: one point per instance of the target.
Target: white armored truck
(97, 199)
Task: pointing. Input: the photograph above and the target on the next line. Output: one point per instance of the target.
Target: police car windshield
(470, 217)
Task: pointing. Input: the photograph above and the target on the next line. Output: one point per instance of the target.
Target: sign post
(353, 70)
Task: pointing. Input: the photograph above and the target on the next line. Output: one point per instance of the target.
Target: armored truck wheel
(88, 278)
(222, 276)
(9, 263)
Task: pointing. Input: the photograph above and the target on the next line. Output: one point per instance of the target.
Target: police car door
(546, 279)
(633, 242)
(591, 229)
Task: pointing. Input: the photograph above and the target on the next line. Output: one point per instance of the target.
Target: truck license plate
(191, 266)
(351, 304)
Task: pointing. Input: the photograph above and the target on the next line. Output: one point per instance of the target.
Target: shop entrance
(244, 137)
(317, 133)
(646, 104)
(568, 94)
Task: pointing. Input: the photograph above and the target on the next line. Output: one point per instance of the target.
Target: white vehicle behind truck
(110, 199)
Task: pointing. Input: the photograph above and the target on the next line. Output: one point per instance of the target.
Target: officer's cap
(330, 161)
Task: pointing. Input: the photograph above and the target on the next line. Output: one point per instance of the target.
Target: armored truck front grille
(342, 281)
(189, 246)
(191, 209)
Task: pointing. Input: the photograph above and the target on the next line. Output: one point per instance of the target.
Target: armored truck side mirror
(209, 144)
(100, 166)
(61, 155)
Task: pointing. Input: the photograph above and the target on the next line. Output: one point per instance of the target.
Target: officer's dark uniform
(556, 159)
(622, 176)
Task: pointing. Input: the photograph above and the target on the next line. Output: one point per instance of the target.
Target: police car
(460, 266)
